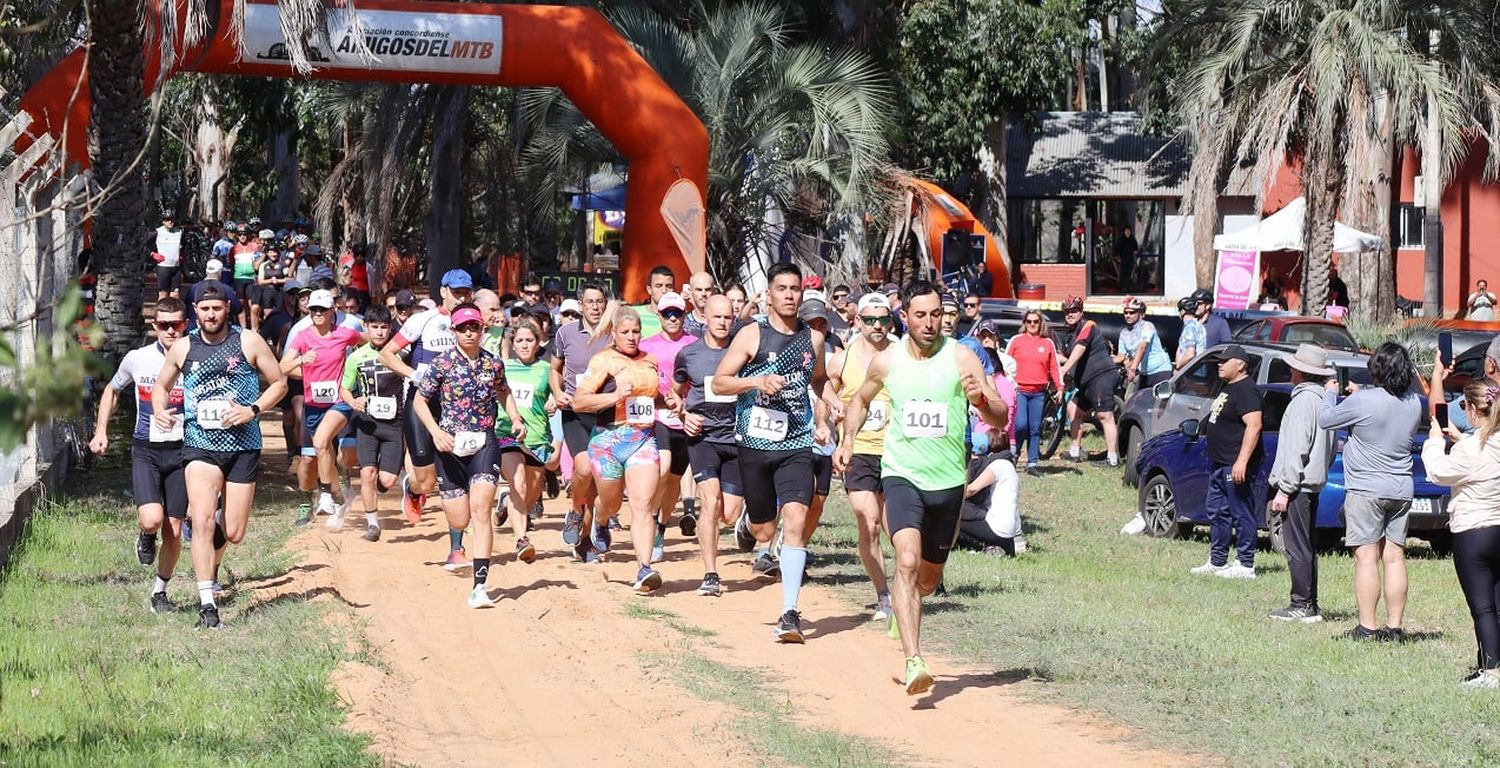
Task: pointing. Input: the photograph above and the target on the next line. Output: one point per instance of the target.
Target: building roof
(1099, 154)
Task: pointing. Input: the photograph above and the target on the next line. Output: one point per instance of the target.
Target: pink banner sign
(1234, 280)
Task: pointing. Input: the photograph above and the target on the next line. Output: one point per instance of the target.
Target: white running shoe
(335, 521)
(882, 607)
(326, 505)
(1208, 569)
(1020, 544)
(480, 598)
(1136, 526)
(1236, 571)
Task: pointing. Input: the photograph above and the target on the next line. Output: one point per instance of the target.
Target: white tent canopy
(1282, 231)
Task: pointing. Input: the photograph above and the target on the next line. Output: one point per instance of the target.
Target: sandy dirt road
(523, 681)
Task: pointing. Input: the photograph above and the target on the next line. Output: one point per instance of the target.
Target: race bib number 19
(768, 424)
(640, 411)
(383, 408)
(924, 418)
(211, 413)
(467, 443)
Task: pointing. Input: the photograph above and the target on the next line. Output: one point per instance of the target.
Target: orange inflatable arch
(409, 41)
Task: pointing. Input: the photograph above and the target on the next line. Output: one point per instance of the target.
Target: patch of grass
(639, 611)
(89, 677)
(1116, 624)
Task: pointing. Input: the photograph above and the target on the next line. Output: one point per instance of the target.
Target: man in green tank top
(931, 381)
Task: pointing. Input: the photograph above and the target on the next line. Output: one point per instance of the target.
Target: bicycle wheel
(1054, 425)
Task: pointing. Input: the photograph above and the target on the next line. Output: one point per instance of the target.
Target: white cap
(213, 267)
(320, 299)
(570, 305)
(813, 294)
(874, 300)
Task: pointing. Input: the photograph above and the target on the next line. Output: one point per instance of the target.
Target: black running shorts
(578, 428)
(822, 474)
(863, 473)
(156, 476)
(457, 473)
(238, 466)
(674, 440)
(1098, 394)
(773, 478)
(378, 444)
(935, 514)
(716, 461)
(418, 439)
(168, 278)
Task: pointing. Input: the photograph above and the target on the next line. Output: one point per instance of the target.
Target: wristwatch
(255, 408)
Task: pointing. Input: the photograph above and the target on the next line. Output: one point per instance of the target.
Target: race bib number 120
(324, 392)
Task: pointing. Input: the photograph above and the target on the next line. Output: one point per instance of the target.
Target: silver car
(1193, 388)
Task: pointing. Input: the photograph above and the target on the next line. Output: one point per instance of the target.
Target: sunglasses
(318, 310)
(1132, 311)
(673, 314)
(470, 327)
(874, 321)
(971, 305)
(570, 314)
(525, 292)
(1033, 322)
(176, 325)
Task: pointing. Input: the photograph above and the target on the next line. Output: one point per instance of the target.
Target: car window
(1249, 331)
(1254, 365)
(1264, 332)
(1200, 380)
(1280, 371)
(1331, 336)
(1273, 407)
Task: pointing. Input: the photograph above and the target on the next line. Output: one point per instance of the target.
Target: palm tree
(1335, 84)
(797, 131)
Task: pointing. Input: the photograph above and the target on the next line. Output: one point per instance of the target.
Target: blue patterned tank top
(214, 375)
(783, 421)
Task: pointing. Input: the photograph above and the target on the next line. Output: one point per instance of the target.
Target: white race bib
(323, 392)
(523, 394)
(383, 408)
(875, 417)
(467, 443)
(710, 396)
(640, 411)
(768, 424)
(211, 413)
(173, 435)
(924, 418)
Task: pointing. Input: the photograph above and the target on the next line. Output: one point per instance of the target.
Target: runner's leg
(867, 507)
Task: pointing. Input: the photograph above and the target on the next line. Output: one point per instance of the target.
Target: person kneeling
(991, 512)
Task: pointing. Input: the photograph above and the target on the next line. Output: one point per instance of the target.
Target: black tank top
(782, 421)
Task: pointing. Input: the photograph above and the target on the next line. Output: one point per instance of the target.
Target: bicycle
(1055, 422)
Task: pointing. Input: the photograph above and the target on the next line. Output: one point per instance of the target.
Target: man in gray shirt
(1377, 477)
(575, 345)
(1303, 453)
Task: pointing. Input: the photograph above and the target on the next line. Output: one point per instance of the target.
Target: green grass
(1117, 625)
(89, 677)
(638, 611)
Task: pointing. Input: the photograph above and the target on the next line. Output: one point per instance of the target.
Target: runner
(374, 392)
(469, 384)
(429, 335)
(709, 425)
(155, 454)
(245, 254)
(924, 467)
(701, 286)
(659, 283)
(270, 275)
(846, 373)
(218, 364)
(623, 388)
(522, 462)
(576, 344)
(317, 355)
(671, 440)
(771, 367)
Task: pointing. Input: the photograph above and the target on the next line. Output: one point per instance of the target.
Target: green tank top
(530, 387)
(924, 443)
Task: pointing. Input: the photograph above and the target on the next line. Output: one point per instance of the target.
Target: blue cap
(457, 278)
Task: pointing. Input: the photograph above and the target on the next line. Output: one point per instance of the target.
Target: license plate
(1423, 506)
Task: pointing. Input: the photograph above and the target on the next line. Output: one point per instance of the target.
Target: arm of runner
(390, 355)
(727, 380)
(347, 385)
(831, 387)
(259, 354)
(431, 384)
(978, 387)
(107, 401)
(555, 381)
(161, 394)
(295, 357)
(858, 405)
(589, 399)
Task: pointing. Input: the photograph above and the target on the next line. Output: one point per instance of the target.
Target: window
(1201, 380)
(1409, 221)
(1280, 372)
(1328, 336)
(1249, 331)
(1273, 407)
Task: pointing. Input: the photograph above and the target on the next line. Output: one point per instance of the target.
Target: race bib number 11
(211, 413)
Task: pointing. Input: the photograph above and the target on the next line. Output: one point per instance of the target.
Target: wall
(1471, 214)
(1062, 280)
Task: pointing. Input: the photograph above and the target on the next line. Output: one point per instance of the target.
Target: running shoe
(766, 567)
(1361, 633)
(1236, 571)
(615, 525)
(602, 539)
(145, 548)
(187, 531)
(457, 560)
(572, 528)
(1020, 544)
(326, 505)
(647, 580)
(1106, 463)
(304, 515)
(1392, 635)
(789, 628)
(554, 488)
(742, 535)
(1297, 613)
(582, 550)
(918, 677)
(208, 617)
(1207, 569)
(1034, 471)
(883, 607)
(658, 546)
(160, 603)
(1482, 679)
(501, 515)
(410, 504)
(710, 586)
(479, 597)
(688, 525)
(335, 521)
(372, 533)
(502, 508)
(537, 510)
(525, 552)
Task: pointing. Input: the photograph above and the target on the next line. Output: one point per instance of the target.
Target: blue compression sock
(793, 563)
(455, 538)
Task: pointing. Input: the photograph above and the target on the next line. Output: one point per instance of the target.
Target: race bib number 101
(924, 418)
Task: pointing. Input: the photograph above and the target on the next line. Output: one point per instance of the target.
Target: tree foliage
(51, 385)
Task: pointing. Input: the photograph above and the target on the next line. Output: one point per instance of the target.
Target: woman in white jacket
(1472, 471)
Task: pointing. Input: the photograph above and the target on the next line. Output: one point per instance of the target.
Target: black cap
(1235, 352)
(405, 298)
(986, 325)
(210, 290)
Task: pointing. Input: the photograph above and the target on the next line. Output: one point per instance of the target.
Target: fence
(40, 237)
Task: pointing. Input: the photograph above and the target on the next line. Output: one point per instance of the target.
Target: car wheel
(1274, 530)
(1133, 440)
(1158, 507)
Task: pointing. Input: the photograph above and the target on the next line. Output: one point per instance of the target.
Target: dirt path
(515, 683)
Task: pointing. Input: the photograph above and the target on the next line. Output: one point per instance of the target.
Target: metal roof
(1098, 154)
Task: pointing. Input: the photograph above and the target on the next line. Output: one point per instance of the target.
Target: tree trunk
(117, 133)
(445, 198)
(1432, 182)
(213, 152)
(991, 192)
(1370, 276)
(288, 172)
(1323, 178)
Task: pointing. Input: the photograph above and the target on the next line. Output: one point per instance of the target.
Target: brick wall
(1062, 280)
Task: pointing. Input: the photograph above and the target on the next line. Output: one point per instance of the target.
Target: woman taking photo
(1471, 470)
(522, 461)
(621, 385)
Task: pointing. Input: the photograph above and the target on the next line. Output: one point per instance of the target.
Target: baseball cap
(210, 291)
(405, 298)
(812, 310)
(314, 250)
(873, 301)
(986, 326)
(466, 315)
(213, 267)
(1235, 352)
(890, 288)
(291, 286)
(670, 300)
(457, 278)
(570, 305)
(427, 303)
(320, 300)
